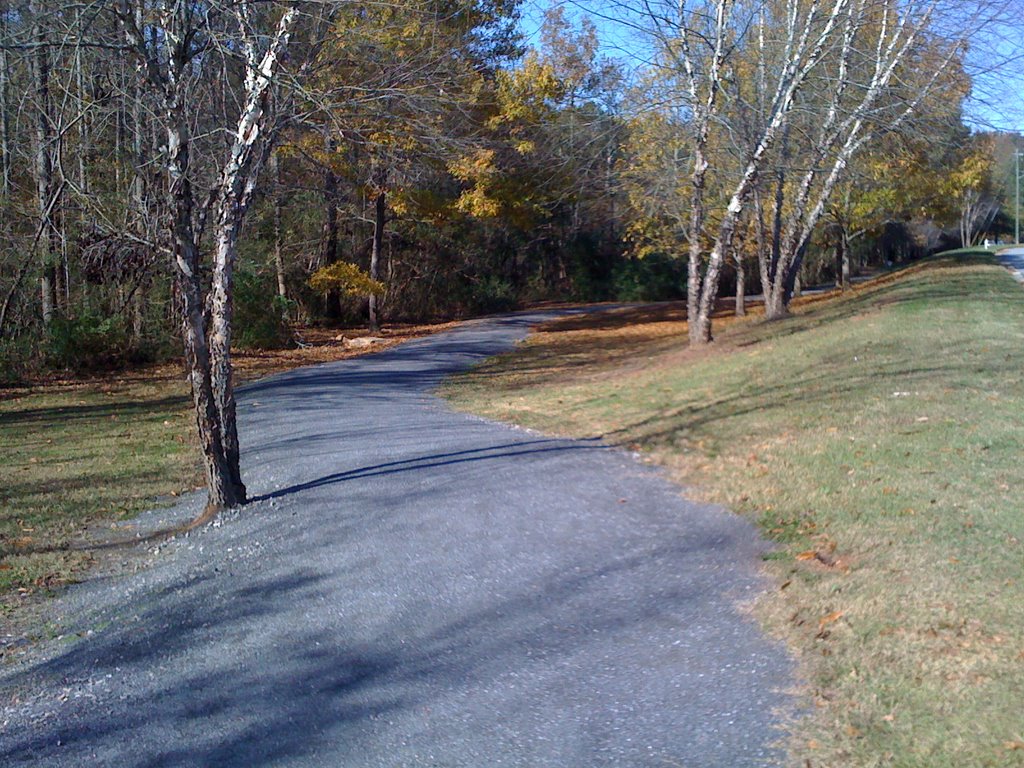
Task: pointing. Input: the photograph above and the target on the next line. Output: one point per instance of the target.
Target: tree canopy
(164, 164)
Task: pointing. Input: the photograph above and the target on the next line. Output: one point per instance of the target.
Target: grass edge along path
(875, 437)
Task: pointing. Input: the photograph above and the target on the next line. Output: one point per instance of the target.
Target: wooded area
(201, 175)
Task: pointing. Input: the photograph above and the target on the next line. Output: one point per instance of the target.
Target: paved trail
(416, 587)
(1013, 258)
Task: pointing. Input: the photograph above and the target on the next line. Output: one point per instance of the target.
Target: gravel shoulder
(415, 587)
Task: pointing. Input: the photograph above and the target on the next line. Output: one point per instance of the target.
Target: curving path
(1013, 259)
(415, 587)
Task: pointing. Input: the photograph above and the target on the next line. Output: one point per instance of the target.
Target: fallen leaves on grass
(817, 555)
(830, 618)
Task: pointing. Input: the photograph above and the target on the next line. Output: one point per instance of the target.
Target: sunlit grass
(79, 453)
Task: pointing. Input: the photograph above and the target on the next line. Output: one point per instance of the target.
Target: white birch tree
(173, 53)
(796, 88)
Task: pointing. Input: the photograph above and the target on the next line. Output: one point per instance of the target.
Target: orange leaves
(830, 618)
(824, 553)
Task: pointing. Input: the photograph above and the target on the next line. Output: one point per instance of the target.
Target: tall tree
(173, 63)
(746, 68)
(47, 192)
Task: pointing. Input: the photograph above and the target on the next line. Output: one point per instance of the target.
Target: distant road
(416, 588)
(1014, 259)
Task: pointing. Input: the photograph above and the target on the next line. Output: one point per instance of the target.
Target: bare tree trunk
(805, 48)
(5, 125)
(329, 238)
(222, 311)
(775, 308)
(967, 219)
(63, 282)
(763, 250)
(197, 354)
(138, 134)
(275, 169)
(700, 330)
(49, 242)
(138, 212)
(694, 279)
(5, 161)
(246, 156)
(84, 137)
(896, 35)
(705, 106)
(842, 256)
(166, 70)
(380, 210)
(741, 279)
(846, 261)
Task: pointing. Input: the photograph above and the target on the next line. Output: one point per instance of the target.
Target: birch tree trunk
(167, 66)
(165, 69)
(705, 108)
(896, 32)
(246, 156)
(221, 489)
(809, 29)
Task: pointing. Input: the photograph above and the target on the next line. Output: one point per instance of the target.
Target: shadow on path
(492, 453)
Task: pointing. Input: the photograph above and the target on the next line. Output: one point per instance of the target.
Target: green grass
(877, 437)
(76, 454)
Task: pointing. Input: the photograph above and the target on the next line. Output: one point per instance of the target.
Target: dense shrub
(653, 278)
(493, 294)
(260, 320)
(87, 341)
(15, 357)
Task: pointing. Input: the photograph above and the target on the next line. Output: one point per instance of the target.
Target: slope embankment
(875, 436)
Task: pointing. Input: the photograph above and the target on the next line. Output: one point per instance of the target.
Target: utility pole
(1016, 217)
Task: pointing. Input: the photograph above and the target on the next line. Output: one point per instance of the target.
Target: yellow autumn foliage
(525, 95)
(346, 278)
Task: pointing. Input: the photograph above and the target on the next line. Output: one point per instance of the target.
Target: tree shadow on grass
(802, 387)
(122, 409)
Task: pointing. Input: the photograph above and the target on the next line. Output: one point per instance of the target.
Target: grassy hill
(876, 437)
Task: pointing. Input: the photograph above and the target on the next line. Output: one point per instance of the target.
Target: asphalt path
(1013, 258)
(415, 587)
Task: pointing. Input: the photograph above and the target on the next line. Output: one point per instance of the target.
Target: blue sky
(995, 58)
